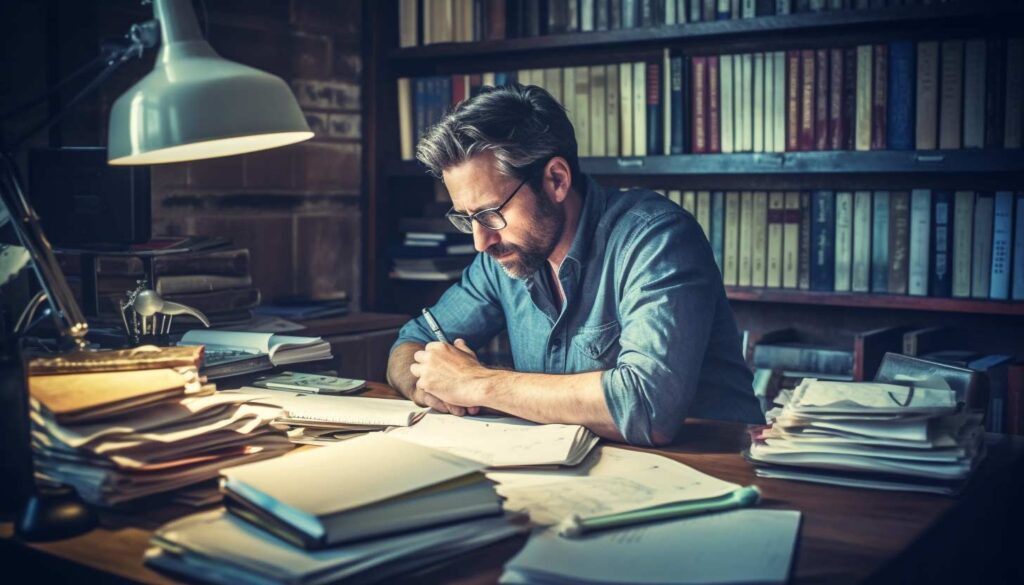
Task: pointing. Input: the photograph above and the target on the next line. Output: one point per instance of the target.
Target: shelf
(840, 162)
(717, 31)
(876, 301)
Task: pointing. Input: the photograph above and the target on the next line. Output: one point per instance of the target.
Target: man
(614, 306)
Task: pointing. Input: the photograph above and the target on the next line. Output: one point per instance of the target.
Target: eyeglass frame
(452, 214)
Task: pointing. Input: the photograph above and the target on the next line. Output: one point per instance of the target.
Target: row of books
(895, 96)
(425, 22)
(923, 242)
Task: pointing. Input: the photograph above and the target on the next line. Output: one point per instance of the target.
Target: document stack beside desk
(873, 435)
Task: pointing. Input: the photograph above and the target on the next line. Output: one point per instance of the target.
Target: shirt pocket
(594, 348)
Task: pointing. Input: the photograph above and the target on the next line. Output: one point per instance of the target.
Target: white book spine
(405, 117)
(746, 237)
(844, 240)
(758, 103)
(569, 95)
(612, 110)
(704, 212)
(920, 233)
(861, 242)
(583, 121)
(626, 108)
(759, 245)
(725, 64)
(779, 87)
(864, 93)
(598, 102)
(745, 125)
(666, 100)
(640, 109)
(768, 108)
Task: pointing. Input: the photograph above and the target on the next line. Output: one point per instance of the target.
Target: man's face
(535, 222)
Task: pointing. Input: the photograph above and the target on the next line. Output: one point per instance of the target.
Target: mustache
(500, 249)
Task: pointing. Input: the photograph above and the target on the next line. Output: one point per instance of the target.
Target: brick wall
(297, 208)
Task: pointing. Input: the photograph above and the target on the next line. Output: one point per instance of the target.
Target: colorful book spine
(746, 233)
(941, 274)
(793, 100)
(900, 109)
(807, 109)
(823, 223)
(836, 138)
(899, 241)
(727, 88)
(974, 94)
(862, 140)
(803, 276)
(655, 139)
(821, 111)
(714, 132)
(879, 97)
(1002, 231)
(698, 85)
(640, 109)
(678, 123)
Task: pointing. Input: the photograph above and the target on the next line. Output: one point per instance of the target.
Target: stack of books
(872, 435)
(432, 255)
(205, 273)
(231, 353)
(362, 510)
(122, 425)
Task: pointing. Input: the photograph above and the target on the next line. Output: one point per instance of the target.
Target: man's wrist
(487, 385)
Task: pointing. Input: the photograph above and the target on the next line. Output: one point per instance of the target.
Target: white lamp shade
(196, 104)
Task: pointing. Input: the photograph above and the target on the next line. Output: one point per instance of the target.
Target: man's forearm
(551, 398)
(399, 376)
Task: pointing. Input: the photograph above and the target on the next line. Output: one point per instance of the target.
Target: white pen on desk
(434, 326)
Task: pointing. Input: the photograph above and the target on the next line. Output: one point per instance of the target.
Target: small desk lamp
(193, 105)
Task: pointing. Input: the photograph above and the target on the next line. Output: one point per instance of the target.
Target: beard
(520, 261)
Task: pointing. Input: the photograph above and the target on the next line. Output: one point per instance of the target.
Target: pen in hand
(434, 326)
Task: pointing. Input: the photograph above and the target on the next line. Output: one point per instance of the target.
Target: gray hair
(523, 126)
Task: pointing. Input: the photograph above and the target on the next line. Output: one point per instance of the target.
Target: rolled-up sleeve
(470, 309)
(667, 291)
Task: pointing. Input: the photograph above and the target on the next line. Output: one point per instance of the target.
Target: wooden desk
(847, 536)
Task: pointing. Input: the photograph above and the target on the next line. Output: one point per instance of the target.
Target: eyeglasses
(491, 218)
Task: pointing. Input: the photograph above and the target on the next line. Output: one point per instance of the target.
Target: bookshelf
(393, 184)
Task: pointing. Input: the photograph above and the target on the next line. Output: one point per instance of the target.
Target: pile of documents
(391, 505)
(501, 441)
(118, 435)
(874, 435)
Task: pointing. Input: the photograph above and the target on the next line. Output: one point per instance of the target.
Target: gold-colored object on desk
(143, 357)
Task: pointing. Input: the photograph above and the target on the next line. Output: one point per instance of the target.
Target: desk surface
(847, 535)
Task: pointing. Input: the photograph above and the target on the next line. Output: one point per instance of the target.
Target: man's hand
(404, 381)
(450, 373)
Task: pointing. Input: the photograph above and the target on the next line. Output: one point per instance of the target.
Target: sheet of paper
(355, 410)
(610, 480)
(828, 396)
(500, 441)
(741, 546)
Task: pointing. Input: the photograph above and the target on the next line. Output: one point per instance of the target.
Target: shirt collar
(594, 201)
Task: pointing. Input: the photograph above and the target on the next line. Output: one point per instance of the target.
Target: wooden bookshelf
(393, 184)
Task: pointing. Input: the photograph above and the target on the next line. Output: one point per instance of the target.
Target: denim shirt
(644, 304)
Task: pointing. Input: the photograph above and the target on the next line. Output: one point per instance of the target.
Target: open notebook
(282, 349)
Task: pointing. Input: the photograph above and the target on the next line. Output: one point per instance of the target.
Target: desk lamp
(193, 105)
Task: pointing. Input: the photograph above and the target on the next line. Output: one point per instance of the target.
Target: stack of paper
(875, 435)
(124, 440)
(501, 441)
(216, 547)
(741, 546)
(315, 419)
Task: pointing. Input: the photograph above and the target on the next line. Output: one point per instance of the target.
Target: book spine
(941, 283)
(678, 112)
(613, 142)
(626, 108)
(927, 110)
(768, 109)
(974, 94)
(598, 116)
(880, 242)
(758, 103)
(850, 89)
(704, 212)
(1014, 114)
(640, 108)
(420, 107)
(405, 118)
(776, 221)
(689, 202)
(844, 240)
(861, 267)
(963, 218)
(759, 237)
(1018, 250)
(666, 100)
(981, 256)
(730, 276)
(805, 359)
(783, 6)
(807, 109)
(696, 15)
(1002, 230)
(698, 85)
(864, 95)
(726, 109)
(836, 139)
(714, 132)
(821, 111)
(804, 255)
(879, 98)
(746, 232)
(791, 240)
(718, 229)
(900, 109)
(995, 92)
(951, 96)
(793, 90)
(779, 87)
(581, 109)
(408, 24)
(920, 224)
(823, 241)
(654, 122)
(745, 109)
(899, 241)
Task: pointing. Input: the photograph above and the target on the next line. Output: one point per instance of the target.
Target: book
(746, 232)
(807, 109)
(951, 95)
(880, 242)
(974, 94)
(725, 66)
(900, 106)
(714, 102)
(311, 383)
(626, 109)
(1017, 292)
(981, 254)
(995, 92)
(793, 101)
(823, 221)
(1015, 398)
(1002, 231)
(850, 91)
(836, 140)
(582, 120)
(926, 133)
(640, 108)
(862, 128)
(759, 104)
(655, 140)
(718, 229)
(598, 117)
(843, 241)
(677, 105)
(144, 357)
(280, 349)
(743, 109)
(804, 357)
(704, 212)
(791, 240)
(860, 276)
(963, 218)
(730, 272)
(899, 241)
(941, 273)
(995, 367)
(613, 114)
(821, 96)
(776, 220)
(400, 487)
(804, 255)
(666, 100)
(759, 238)
(926, 340)
(879, 97)
(1014, 103)
(405, 117)
(920, 240)
(779, 101)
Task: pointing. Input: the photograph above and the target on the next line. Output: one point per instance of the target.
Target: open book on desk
(230, 353)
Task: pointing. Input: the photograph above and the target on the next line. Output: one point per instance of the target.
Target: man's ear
(558, 178)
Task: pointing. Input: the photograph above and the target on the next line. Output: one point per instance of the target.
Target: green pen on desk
(575, 526)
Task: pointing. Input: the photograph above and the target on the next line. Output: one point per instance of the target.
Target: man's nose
(483, 238)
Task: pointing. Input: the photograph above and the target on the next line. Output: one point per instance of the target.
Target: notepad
(341, 410)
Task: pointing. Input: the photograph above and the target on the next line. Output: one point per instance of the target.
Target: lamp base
(54, 513)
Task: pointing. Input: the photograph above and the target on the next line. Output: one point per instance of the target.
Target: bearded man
(614, 307)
